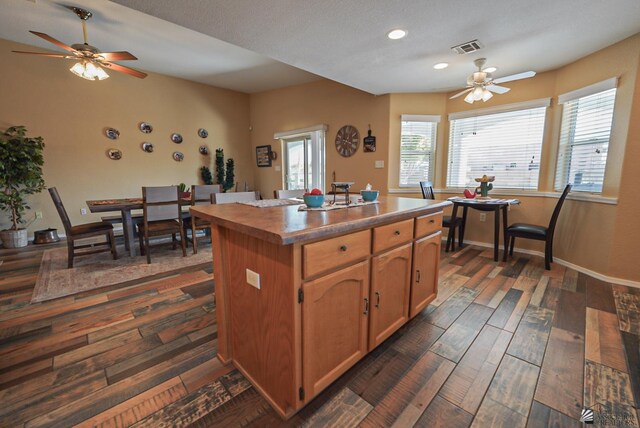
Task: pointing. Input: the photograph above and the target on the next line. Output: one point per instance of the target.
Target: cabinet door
(390, 285)
(334, 325)
(426, 259)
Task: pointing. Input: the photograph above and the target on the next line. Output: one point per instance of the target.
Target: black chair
(83, 231)
(447, 221)
(540, 233)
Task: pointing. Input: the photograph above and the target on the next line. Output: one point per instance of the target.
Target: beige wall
(71, 115)
(329, 103)
(603, 238)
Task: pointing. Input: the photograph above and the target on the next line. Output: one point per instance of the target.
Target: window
(505, 142)
(304, 158)
(587, 115)
(417, 149)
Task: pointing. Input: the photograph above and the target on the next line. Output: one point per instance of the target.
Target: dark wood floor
(503, 345)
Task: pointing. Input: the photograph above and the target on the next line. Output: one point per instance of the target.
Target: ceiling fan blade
(58, 43)
(498, 89)
(42, 54)
(460, 93)
(117, 56)
(123, 69)
(523, 75)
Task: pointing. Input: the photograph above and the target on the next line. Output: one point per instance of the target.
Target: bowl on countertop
(369, 195)
(313, 201)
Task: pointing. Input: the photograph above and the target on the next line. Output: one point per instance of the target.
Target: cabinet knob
(343, 248)
(397, 232)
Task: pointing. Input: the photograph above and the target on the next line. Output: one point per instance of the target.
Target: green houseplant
(21, 161)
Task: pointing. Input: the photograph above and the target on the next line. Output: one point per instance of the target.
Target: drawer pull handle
(397, 232)
(343, 248)
(366, 306)
(378, 301)
(417, 276)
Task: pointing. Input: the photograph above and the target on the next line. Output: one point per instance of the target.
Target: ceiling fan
(90, 59)
(481, 84)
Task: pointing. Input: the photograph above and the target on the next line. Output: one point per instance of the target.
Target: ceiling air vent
(468, 47)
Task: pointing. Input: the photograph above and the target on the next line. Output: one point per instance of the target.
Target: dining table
(125, 206)
(485, 204)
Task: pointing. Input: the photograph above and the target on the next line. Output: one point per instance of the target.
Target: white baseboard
(570, 265)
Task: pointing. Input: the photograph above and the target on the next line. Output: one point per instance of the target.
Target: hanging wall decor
(147, 147)
(347, 140)
(178, 156)
(176, 138)
(204, 150)
(112, 133)
(262, 155)
(114, 154)
(145, 127)
(203, 133)
(369, 142)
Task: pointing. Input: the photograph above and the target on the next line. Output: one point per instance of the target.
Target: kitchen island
(301, 296)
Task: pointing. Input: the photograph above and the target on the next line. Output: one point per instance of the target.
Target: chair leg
(547, 255)
(141, 239)
(451, 240)
(112, 241)
(194, 241)
(512, 243)
(146, 244)
(551, 250)
(183, 244)
(174, 241)
(69, 253)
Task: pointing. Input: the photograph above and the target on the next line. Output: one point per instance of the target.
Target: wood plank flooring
(505, 344)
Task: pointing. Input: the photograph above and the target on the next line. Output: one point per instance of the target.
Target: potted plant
(21, 160)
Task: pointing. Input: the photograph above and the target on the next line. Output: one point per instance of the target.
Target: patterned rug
(100, 270)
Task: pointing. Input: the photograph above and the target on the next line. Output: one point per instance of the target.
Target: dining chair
(451, 223)
(83, 231)
(200, 195)
(231, 197)
(540, 233)
(162, 215)
(288, 194)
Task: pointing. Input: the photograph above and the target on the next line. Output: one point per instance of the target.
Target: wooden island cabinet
(301, 296)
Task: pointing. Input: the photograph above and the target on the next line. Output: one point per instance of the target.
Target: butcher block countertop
(286, 225)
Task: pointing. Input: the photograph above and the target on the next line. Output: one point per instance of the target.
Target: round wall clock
(347, 140)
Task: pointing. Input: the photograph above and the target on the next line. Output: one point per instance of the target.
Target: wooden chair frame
(447, 221)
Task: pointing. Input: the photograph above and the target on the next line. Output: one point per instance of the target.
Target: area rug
(100, 270)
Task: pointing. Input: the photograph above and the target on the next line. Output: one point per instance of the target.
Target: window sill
(575, 196)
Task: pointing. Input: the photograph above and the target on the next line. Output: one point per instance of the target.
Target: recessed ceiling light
(441, 65)
(490, 69)
(396, 34)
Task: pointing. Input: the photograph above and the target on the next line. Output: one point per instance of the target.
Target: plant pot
(14, 238)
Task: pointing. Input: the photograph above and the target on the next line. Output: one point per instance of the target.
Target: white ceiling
(234, 44)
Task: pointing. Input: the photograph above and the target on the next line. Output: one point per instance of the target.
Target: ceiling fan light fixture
(469, 98)
(88, 70)
(487, 95)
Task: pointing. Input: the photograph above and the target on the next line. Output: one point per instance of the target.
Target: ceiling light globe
(477, 93)
(441, 65)
(396, 34)
(487, 95)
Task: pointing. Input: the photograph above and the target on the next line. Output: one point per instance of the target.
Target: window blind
(506, 145)
(417, 149)
(584, 141)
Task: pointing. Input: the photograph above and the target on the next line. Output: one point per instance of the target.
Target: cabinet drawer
(392, 234)
(428, 224)
(324, 255)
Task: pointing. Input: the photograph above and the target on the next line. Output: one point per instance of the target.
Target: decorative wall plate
(114, 154)
(112, 133)
(204, 150)
(176, 138)
(147, 147)
(178, 156)
(145, 127)
(203, 133)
